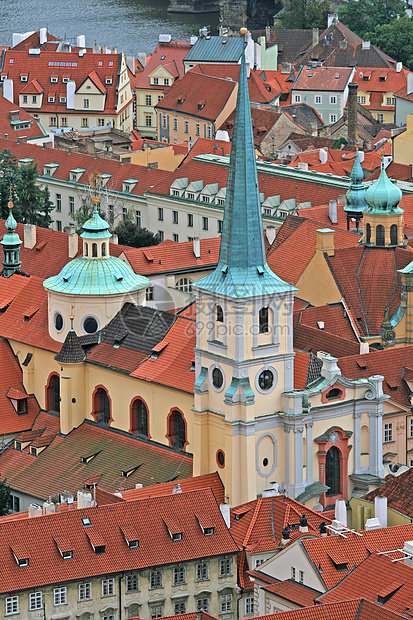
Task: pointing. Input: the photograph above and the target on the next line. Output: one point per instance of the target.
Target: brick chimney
(352, 113)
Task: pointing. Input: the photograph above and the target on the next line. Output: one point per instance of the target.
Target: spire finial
(10, 204)
(95, 201)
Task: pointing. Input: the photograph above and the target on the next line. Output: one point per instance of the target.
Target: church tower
(244, 349)
(11, 246)
(355, 197)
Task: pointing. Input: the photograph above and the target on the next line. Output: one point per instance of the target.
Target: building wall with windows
(328, 104)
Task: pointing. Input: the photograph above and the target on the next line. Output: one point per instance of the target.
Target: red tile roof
(40, 68)
(206, 145)
(16, 132)
(60, 467)
(297, 593)
(391, 363)
(380, 580)
(257, 525)
(195, 615)
(301, 362)
(398, 490)
(156, 547)
(262, 122)
(11, 386)
(198, 95)
(359, 609)
(400, 172)
(212, 481)
(323, 78)
(354, 549)
(169, 55)
(243, 578)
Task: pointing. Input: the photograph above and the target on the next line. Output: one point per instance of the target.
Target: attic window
(334, 394)
(89, 457)
(86, 522)
(54, 79)
(108, 81)
(388, 591)
(23, 562)
(62, 99)
(176, 537)
(209, 531)
(22, 405)
(65, 80)
(382, 78)
(33, 451)
(23, 78)
(67, 555)
(18, 445)
(336, 77)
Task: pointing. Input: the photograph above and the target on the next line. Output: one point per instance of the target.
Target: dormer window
(176, 536)
(54, 79)
(22, 405)
(23, 562)
(62, 100)
(67, 555)
(108, 81)
(51, 99)
(209, 531)
(21, 556)
(86, 522)
(65, 80)
(23, 78)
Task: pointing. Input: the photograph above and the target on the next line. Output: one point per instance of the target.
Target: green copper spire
(355, 197)
(242, 269)
(95, 227)
(11, 245)
(383, 196)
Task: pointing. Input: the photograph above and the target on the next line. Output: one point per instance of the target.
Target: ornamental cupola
(11, 245)
(93, 287)
(383, 218)
(355, 197)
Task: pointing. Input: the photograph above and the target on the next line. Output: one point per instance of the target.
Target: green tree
(362, 16)
(5, 498)
(130, 234)
(84, 213)
(32, 204)
(305, 14)
(395, 39)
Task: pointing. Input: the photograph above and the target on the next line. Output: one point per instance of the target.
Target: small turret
(11, 245)
(355, 197)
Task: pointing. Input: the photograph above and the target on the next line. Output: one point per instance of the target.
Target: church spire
(242, 269)
(355, 197)
(11, 245)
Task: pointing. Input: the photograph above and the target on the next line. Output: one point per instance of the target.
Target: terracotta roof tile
(297, 593)
(397, 489)
(358, 609)
(212, 481)
(322, 78)
(170, 54)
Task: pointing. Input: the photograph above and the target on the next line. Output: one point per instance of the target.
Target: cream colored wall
(316, 284)
(280, 566)
(394, 414)
(361, 510)
(403, 144)
(164, 157)
(144, 597)
(88, 90)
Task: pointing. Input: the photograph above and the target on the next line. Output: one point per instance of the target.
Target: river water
(131, 25)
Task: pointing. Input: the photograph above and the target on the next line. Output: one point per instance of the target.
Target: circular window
(90, 324)
(266, 380)
(221, 458)
(58, 321)
(217, 378)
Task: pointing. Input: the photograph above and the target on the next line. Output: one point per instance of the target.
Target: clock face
(333, 437)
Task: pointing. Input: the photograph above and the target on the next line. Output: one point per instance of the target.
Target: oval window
(266, 380)
(90, 325)
(58, 322)
(333, 394)
(217, 378)
(220, 458)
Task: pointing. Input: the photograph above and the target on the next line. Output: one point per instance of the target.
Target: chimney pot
(197, 247)
(29, 236)
(225, 511)
(380, 509)
(332, 211)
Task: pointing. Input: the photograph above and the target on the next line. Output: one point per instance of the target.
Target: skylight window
(86, 522)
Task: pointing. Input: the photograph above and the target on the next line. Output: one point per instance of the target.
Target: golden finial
(244, 18)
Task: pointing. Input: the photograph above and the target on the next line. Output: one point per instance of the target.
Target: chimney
(272, 490)
(197, 247)
(35, 510)
(409, 83)
(303, 165)
(352, 113)
(315, 37)
(14, 115)
(364, 348)
(329, 369)
(380, 509)
(142, 59)
(361, 156)
(323, 156)
(285, 68)
(70, 95)
(81, 41)
(332, 211)
(372, 524)
(303, 524)
(177, 488)
(270, 234)
(139, 485)
(365, 45)
(43, 35)
(331, 18)
(8, 90)
(114, 239)
(49, 507)
(325, 240)
(16, 38)
(336, 527)
(408, 549)
(323, 529)
(399, 67)
(340, 511)
(73, 242)
(84, 499)
(225, 511)
(29, 236)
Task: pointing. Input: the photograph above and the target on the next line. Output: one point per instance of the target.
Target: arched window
(334, 394)
(139, 418)
(177, 430)
(380, 235)
(101, 406)
(94, 250)
(184, 285)
(263, 317)
(220, 315)
(393, 234)
(333, 471)
(53, 394)
(368, 233)
(86, 249)
(103, 249)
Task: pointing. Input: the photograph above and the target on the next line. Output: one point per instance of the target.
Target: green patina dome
(108, 275)
(383, 196)
(355, 197)
(11, 237)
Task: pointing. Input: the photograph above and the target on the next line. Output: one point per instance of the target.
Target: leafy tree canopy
(32, 204)
(395, 39)
(130, 234)
(362, 16)
(305, 14)
(5, 498)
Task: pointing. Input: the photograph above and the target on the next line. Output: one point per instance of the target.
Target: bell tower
(11, 245)
(244, 348)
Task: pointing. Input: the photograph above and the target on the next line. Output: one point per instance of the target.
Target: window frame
(155, 579)
(34, 600)
(388, 432)
(202, 571)
(108, 587)
(225, 567)
(12, 601)
(59, 596)
(87, 588)
(179, 575)
(134, 579)
(225, 603)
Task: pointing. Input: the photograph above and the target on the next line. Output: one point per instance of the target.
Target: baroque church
(218, 379)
